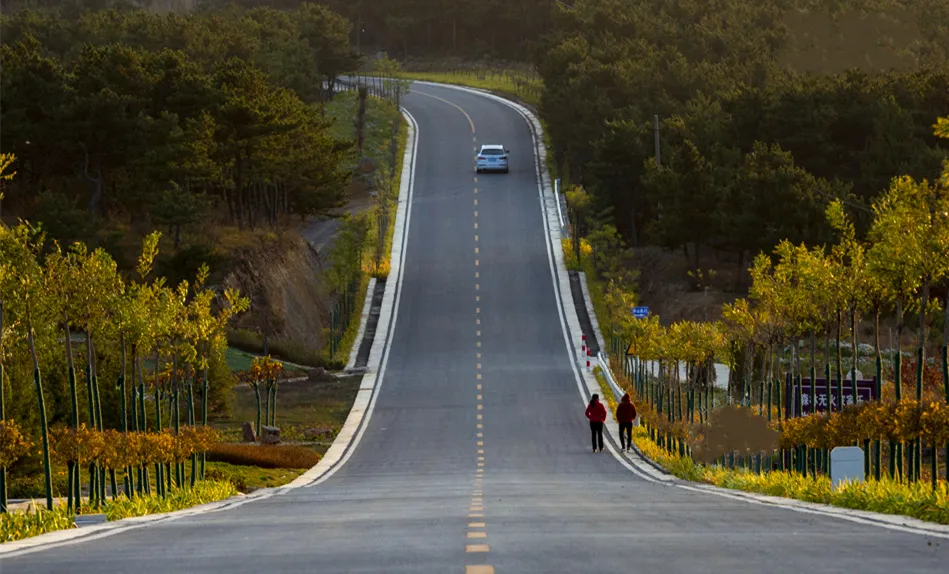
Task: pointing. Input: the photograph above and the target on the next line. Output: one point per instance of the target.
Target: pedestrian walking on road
(596, 412)
(625, 415)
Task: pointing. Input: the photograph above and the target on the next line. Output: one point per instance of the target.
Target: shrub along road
(478, 341)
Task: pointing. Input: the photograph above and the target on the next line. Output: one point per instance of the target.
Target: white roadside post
(846, 463)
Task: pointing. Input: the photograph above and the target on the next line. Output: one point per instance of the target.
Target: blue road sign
(640, 312)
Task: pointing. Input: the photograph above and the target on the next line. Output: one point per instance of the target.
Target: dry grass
(277, 456)
(504, 82)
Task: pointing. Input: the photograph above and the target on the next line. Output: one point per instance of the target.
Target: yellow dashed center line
(454, 105)
(476, 508)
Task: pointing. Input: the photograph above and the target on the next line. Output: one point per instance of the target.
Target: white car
(492, 158)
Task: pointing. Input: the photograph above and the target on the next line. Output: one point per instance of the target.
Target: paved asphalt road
(410, 498)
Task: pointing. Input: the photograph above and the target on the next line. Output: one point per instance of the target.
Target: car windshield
(492, 152)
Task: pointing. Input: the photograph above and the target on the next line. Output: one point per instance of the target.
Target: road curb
(363, 321)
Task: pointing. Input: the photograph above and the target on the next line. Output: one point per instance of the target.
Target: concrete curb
(345, 441)
(363, 321)
(588, 302)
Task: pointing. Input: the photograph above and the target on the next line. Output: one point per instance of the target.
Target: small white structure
(846, 463)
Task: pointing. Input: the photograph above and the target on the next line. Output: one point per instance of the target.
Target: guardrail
(557, 197)
(604, 363)
(561, 208)
(384, 88)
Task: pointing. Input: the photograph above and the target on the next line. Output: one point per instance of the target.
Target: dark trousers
(626, 435)
(596, 429)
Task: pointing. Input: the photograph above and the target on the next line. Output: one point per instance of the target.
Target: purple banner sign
(866, 391)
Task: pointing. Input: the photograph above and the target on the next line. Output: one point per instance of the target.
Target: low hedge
(276, 456)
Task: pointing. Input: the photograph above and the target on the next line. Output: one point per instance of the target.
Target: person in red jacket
(625, 415)
(596, 412)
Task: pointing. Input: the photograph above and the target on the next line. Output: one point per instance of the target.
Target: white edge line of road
(570, 324)
(347, 439)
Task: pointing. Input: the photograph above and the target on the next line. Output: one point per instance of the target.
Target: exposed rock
(288, 281)
(269, 435)
(248, 431)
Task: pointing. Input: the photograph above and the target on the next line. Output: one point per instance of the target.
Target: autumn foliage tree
(799, 293)
(47, 296)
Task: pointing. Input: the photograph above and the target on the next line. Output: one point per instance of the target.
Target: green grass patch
(19, 525)
(377, 130)
(305, 403)
(295, 356)
(238, 360)
(249, 478)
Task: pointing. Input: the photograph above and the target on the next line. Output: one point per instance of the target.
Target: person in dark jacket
(625, 415)
(596, 412)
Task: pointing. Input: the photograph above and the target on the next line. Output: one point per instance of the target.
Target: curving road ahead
(476, 457)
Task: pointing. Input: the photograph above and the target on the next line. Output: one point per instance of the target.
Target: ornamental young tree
(896, 252)
(23, 293)
(850, 259)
